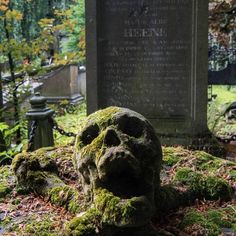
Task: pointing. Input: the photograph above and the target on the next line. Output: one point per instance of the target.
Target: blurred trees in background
(34, 34)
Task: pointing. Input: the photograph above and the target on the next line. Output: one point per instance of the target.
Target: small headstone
(62, 84)
(150, 56)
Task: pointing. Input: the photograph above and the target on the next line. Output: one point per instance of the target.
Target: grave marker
(150, 56)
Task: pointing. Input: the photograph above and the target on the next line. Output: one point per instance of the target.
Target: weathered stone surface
(150, 56)
(62, 84)
(38, 172)
(118, 157)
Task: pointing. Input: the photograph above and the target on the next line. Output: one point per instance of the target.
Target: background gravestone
(61, 84)
(223, 77)
(150, 56)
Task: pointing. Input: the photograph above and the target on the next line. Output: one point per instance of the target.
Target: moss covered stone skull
(118, 157)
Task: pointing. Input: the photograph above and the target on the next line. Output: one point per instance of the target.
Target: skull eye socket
(131, 126)
(89, 134)
(111, 139)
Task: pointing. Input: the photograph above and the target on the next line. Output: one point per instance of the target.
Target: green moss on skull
(95, 148)
(96, 121)
(114, 209)
(107, 210)
(102, 117)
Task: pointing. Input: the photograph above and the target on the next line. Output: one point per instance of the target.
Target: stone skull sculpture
(118, 158)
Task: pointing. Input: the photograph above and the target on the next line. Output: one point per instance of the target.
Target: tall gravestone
(150, 56)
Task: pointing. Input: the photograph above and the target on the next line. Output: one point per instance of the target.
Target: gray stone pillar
(40, 117)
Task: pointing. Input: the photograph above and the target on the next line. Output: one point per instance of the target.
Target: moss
(171, 155)
(65, 153)
(108, 210)
(183, 174)
(44, 227)
(38, 160)
(103, 116)
(191, 218)
(203, 156)
(214, 188)
(7, 181)
(217, 217)
(95, 147)
(232, 174)
(6, 173)
(113, 208)
(211, 229)
(65, 196)
(6, 221)
(169, 158)
(4, 190)
(100, 118)
(207, 162)
(211, 221)
(84, 225)
(195, 218)
(210, 187)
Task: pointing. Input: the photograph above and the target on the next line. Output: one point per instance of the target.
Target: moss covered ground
(211, 179)
(216, 120)
(213, 214)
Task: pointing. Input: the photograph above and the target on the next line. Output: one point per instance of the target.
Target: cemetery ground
(212, 181)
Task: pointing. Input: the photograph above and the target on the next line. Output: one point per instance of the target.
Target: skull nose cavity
(119, 172)
(111, 138)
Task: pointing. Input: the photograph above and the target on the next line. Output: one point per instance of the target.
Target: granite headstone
(150, 56)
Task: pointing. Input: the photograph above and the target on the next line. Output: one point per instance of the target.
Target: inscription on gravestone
(150, 56)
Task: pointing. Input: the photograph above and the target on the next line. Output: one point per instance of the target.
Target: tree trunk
(2, 141)
(14, 93)
(1, 96)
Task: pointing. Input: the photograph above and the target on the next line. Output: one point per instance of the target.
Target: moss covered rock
(4, 190)
(38, 172)
(209, 187)
(7, 180)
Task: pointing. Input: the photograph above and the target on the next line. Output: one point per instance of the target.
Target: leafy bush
(8, 149)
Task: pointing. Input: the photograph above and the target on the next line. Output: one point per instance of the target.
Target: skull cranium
(117, 150)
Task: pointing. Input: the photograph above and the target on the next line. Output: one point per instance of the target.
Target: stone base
(72, 99)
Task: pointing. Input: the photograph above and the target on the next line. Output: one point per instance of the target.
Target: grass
(223, 94)
(70, 123)
(217, 123)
